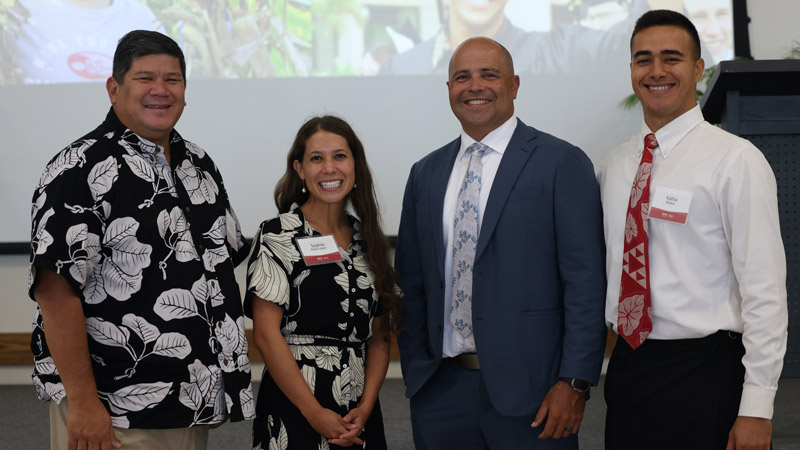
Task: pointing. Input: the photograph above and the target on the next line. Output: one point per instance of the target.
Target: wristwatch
(576, 384)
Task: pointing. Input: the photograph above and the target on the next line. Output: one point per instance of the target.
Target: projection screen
(257, 69)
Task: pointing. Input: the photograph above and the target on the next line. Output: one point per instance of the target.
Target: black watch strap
(576, 384)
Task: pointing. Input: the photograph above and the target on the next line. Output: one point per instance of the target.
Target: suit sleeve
(581, 259)
(413, 340)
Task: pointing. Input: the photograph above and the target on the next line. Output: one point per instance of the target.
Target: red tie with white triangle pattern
(635, 316)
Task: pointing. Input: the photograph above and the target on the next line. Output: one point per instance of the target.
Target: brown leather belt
(466, 360)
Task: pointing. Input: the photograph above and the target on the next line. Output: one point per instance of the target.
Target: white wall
(772, 30)
(774, 25)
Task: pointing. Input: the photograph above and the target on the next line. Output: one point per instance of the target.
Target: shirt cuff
(757, 402)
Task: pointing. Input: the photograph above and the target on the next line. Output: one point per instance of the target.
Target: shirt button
(349, 267)
(187, 209)
(353, 290)
(351, 314)
(344, 365)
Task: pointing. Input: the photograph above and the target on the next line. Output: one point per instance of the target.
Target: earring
(354, 185)
(304, 187)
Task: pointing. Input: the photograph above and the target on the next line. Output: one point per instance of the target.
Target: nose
(159, 87)
(713, 27)
(475, 84)
(328, 165)
(657, 69)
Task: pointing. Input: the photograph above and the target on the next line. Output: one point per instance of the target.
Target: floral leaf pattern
(631, 230)
(268, 280)
(640, 182)
(136, 397)
(70, 157)
(342, 293)
(145, 330)
(173, 345)
(102, 177)
(123, 227)
(630, 313)
(176, 304)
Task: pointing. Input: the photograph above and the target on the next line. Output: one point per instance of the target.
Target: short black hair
(139, 43)
(665, 17)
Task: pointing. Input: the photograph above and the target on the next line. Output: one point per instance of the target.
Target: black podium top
(757, 77)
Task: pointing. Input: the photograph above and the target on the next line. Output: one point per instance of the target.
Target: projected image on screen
(62, 41)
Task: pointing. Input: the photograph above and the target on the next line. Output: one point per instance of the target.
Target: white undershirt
(497, 141)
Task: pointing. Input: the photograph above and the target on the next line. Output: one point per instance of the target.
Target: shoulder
(291, 221)
(551, 147)
(722, 138)
(729, 148)
(437, 157)
(617, 155)
(81, 156)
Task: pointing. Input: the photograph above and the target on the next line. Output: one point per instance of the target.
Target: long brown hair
(362, 199)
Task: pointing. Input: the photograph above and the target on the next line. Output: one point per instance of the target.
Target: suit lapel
(440, 176)
(519, 149)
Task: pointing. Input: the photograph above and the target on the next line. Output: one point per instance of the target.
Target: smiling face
(477, 13)
(482, 86)
(664, 73)
(328, 168)
(714, 22)
(150, 99)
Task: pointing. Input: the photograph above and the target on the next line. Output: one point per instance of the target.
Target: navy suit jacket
(538, 278)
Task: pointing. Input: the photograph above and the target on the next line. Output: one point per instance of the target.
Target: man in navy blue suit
(513, 371)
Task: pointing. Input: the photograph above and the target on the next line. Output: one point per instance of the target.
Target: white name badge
(319, 250)
(671, 205)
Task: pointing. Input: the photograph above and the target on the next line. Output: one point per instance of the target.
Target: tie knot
(477, 149)
(650, 141)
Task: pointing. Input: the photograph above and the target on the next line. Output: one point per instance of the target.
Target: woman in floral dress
(321, 323)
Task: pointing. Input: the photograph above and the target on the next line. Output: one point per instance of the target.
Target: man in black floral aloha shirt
(139, 322)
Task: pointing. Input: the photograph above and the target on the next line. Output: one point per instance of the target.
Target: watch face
(580, 385)
(576, 384)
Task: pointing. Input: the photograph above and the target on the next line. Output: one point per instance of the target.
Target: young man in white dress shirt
(697, 363)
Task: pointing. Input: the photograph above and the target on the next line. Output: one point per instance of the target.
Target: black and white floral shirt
(150, 249)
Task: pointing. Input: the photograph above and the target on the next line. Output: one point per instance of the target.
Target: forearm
(65, 331)
(377, 364)
(284, 371)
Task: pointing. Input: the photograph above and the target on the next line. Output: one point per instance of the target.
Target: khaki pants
(192, 438)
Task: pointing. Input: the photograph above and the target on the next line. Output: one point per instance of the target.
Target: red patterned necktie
(635, 316)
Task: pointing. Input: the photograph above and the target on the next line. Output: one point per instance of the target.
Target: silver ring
(568, 430)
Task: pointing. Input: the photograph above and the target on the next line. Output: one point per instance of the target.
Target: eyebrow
(482, 70)
(663, 52)
(151, 73)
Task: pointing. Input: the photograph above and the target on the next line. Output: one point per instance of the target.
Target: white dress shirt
(725, 268)
(455, 344)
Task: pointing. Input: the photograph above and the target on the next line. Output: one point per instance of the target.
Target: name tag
(671, 205)
(319, 250)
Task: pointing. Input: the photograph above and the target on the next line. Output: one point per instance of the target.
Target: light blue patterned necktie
(465, 241)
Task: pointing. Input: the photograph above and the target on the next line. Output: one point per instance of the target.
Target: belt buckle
(468, 361)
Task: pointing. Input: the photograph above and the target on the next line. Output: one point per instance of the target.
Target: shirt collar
(671, 134)
(145, 146)
(497, 140)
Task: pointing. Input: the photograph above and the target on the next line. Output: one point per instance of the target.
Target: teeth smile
(477, 102)
(156, 107)
(330, 184)
(659, 88)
